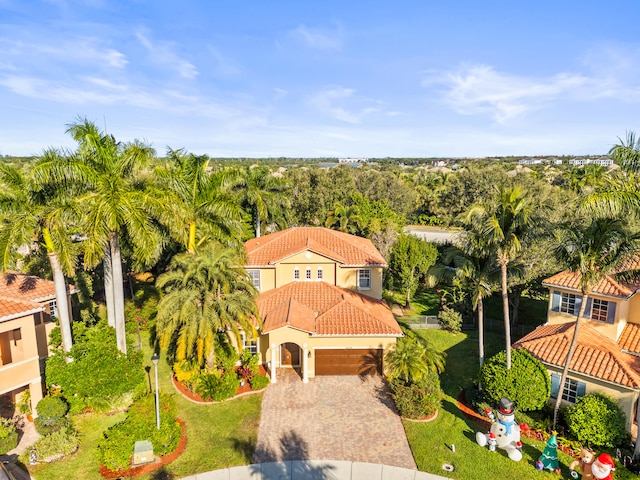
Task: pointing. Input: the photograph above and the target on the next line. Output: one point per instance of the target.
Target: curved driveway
(331, 417)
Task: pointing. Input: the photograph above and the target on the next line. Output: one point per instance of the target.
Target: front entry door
(289, 355)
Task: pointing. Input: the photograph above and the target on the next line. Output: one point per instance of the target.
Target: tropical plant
(627, 153)
(526, 384)
(217, 386)
(503, 224)
(412, 358)
(347, 218)
(410, 260)
(31, 210)
(450, 320)
(205, 294)
(56, 445)
(115, 203)
(8, 435)
(596, 419)
(593, 250)
(417, 400)
(262, 195)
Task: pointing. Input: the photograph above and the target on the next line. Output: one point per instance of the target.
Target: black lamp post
(155, 360)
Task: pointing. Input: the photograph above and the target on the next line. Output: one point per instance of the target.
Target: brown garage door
(351, 361)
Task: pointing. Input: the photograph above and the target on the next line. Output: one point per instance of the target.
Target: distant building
(603, 162)
(353, 160)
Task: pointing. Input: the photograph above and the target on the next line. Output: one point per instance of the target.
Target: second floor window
(308, 275)
(364, 279)
(568, 303)
(319, 273)
(296, 273)
(53, 309)
(255, 277)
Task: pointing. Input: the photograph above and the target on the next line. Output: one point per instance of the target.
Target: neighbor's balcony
(17, 374)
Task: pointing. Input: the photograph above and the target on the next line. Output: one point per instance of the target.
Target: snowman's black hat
(505, 406)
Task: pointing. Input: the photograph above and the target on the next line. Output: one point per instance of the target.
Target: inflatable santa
(603, 467)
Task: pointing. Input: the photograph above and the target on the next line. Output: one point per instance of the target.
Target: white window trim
(307, 275)
(360, 287)
(567, 303)
(255, 279)
(320, 274)
(251, 346)
(296, 273)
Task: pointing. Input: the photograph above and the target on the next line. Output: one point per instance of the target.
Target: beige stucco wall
(632, 309)
(348, 278)
(625, 397)
(300, 338)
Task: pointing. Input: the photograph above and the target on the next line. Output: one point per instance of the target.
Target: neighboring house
(27, 315)
(607, 355)
(320, 302)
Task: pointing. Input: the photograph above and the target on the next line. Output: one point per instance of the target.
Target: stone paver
(331, 417)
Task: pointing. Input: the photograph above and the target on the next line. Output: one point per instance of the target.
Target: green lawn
(430, 442)
(219, 436)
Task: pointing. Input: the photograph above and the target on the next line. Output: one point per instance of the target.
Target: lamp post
(155, 360)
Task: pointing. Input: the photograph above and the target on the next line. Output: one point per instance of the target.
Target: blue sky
(337, 78)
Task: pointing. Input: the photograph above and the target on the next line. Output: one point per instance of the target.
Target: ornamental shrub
(596, 419)
(258, 381)
(99, 376)
(8, 436)
(417, 400)
(217, 387)
(450, 320)
(115, 449)
(251, 361)
(52, 407)
(47, 425)
(56, 445)
(527, 384)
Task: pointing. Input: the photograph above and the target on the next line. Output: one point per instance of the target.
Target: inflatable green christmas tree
(549, 458)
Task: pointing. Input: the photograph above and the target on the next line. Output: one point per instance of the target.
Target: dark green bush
(251, 361)
(258, 381)
(216, 387)
(417, 400)
(8, 436)
(527, 384)
(115, 449)
(99, 375)
(450, 320)
(47, 425)
(56, 445)
(52, 407)
(596, 419)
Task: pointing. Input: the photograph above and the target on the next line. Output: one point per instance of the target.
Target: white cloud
(332, 100)
(320, 39)
(479, 89)
(163, 54)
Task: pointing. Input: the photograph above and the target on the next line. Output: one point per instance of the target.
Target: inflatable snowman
(505, 430)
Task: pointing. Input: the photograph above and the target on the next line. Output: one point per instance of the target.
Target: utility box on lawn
(142, 453)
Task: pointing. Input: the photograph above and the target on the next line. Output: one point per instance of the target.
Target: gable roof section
(11, 308)
(630, 338)
(28, 287)
(323, 309)
(595, 354)
(341, 247)
(607, 286)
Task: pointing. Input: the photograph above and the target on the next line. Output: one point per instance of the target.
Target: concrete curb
(315, 470)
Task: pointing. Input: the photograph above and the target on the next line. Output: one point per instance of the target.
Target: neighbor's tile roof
(341, 247)
(595, 354)
(11, 308)
(28, 287)
(607, 286)
(323, 309)
(630, 338)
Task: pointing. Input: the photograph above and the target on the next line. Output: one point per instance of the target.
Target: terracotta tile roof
(323, 309)
(28, 287)
(595, 354)
(630, 338)
(11, 308)
(341, 247)
(609, 285)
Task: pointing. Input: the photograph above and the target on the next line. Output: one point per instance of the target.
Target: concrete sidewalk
(316, 470)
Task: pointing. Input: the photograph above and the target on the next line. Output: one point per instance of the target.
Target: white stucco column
(305, 363)
(273, 363)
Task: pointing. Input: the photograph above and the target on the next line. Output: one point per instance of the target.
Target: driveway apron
(331, 418)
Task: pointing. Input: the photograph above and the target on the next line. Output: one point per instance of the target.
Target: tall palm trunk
(257, 224)
(481, 331)
(567, 362)
(62, 301)
(118, 292)
(505, 308)
(108, 288)
(191, 242)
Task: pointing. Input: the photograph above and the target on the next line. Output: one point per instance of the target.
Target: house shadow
(290, 456)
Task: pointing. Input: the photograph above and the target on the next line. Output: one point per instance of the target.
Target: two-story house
(27, 315)
(607, 355)
(320, 302)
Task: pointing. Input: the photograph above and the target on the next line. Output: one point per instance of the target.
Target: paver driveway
(331, 418)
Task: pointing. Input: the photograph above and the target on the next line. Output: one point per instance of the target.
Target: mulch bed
(150, 467)
(485, 424)
(193, 396)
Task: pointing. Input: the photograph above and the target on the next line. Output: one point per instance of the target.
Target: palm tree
(411, 359)
(503, 225)
(593, 251)
(627, 153)
(347, 218)
(262, 195)
(31, 211)
(205, 294)
(475, 267)
(115, 203)
(201, 200)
